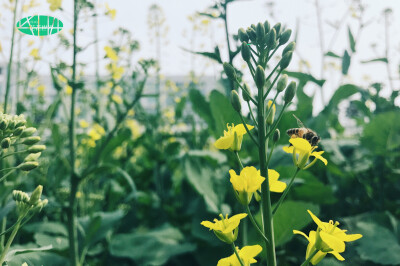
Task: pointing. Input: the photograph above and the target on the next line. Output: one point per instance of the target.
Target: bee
(303, 132)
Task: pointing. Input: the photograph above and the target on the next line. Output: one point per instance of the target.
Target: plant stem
(253, 221)
(74, 180)
(9, 241)
(247, 130)
(265, 192)
(285, 192)
(307, 261)
(237, 255)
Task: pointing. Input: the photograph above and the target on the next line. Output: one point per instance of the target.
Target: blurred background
(150, 72)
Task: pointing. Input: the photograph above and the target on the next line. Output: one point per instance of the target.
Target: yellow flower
(33, 82)
(68, 90)
(111, 12)
(62, 78)
(110, 53)
(304, 150)
(232, 138)
(115, 71)
(41, 89)
(311, 248)
(246, 254)
(271, 115)
(246, 184)
(54, 4)
(35, 53)
(83, 123)
(96, 132)
(116, 98)
(225, 229)
(118, 89)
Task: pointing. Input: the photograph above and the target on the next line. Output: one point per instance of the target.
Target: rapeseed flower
(225, 229)
(232, 138)
(246, 254)
(54, 4)
(302, 150)
(248, 182)
(110, 53)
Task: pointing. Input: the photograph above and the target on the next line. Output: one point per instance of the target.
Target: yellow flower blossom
(225, 229)
(119, 89)
(68, 90)
(311, 248)
(247, 183)
(33, 82)
(54, 4)
(95, 133)
(41, 89)
(131, 112)
(111, 12)
(31, 42)
(61, 78)
(232, 138)
(246, 254)
(110, 53)
(302, 150)
(115, 70)
(134, 127)
(83, 123)
(117, 99)
(35, 53)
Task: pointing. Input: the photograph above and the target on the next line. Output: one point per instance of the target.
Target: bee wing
(299, 123)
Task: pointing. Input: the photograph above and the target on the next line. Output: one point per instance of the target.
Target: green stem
(240, 162)
(272, 84)
(253, 221)
(307, 261)
(9, 173)
(277, 121)
(265, 192)
(244, 91)
(9, 241)
(285, 192)
(3, 228)
(247, 130)
(10, 61)
(237, 255)
(252, 115)
(12, 153)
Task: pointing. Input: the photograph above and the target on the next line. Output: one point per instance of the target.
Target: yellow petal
(316, 220)
(277, 186)
(353, 237)
(240, 130)
(333, 242)
(317, 154)
(272, 174)
(233, 222)
(337, 255)
(288, 149)
(300, 233)
(208, 224)
(237, 182)
(224, 143)
(249, 252)
(301, 144)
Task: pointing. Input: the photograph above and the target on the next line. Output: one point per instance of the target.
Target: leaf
(212, 55)
(154, 247)
(302, 77)
(343, 92)
(47, 227)
(381, 59)
(292, 215)
(351, 40)
(201, 106)
(378, 244)
(332, 54)
(57, 242)
(38, 258)
(346, 62)
(12, 252)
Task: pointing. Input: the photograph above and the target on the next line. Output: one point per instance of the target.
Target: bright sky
(295, 14)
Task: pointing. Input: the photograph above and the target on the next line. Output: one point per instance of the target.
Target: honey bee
(304, 132)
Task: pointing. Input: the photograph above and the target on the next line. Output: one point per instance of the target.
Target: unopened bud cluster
(14, 131)
(26, 203)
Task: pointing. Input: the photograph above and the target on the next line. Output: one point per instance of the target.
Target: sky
(299, 15)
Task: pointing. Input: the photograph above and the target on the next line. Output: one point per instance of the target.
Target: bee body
(305, 133)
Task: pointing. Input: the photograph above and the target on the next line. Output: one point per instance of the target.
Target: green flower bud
(237, 142)
(32, 157)
(282, 83)
(285, 61)
(243, 37)
(5, 143)
(229, 71)
(271, 39)
(277, 136)
(31, 140)
(18, 130)
(277, 28)
(289, 48)
(28, 132)
(36, 194)
(271, 113)
(285, 37)
(260, 33)
(252, 34)
(28, 166)
(36, 148)
(267, 26)
(235, 101)
(290, 92)
(260, 77)
(11, 124)
(253, 26)
(3, 124)
(244, 94)
(20, 123)
(246, 53)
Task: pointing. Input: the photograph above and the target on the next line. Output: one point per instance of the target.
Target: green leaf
(222, 111)
(346, 62)
(47, 227)
(332, 54)
(351, 40)
(153, 247)
(343, 92)
(378, 244)
(201, 106)
(212, 55)
(292, 215)
(57, 242)
(302, 77)
(381, 59)
(38, 258)
(12, 252)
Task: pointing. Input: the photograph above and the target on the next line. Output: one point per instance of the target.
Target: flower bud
(36, 148)
(5, 143)
(245, 52)
(290, 92)
(28, 166)
(246, 96)
(3, 124)
(285, 37)
(267, 27)
(11, 125)
(31, 140)
(18, 130)
(282, 83)
(260, 77)
(252, 34)
(277, 28)
(277, 136)
(260, 31)
(20, 122)
(289, 48)
(271, 113)
(28, 132)
(229, 71)
(271, 39)
(32, 157)
(36, 194)
(243, 37)
(285, 61)
(235, 101)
